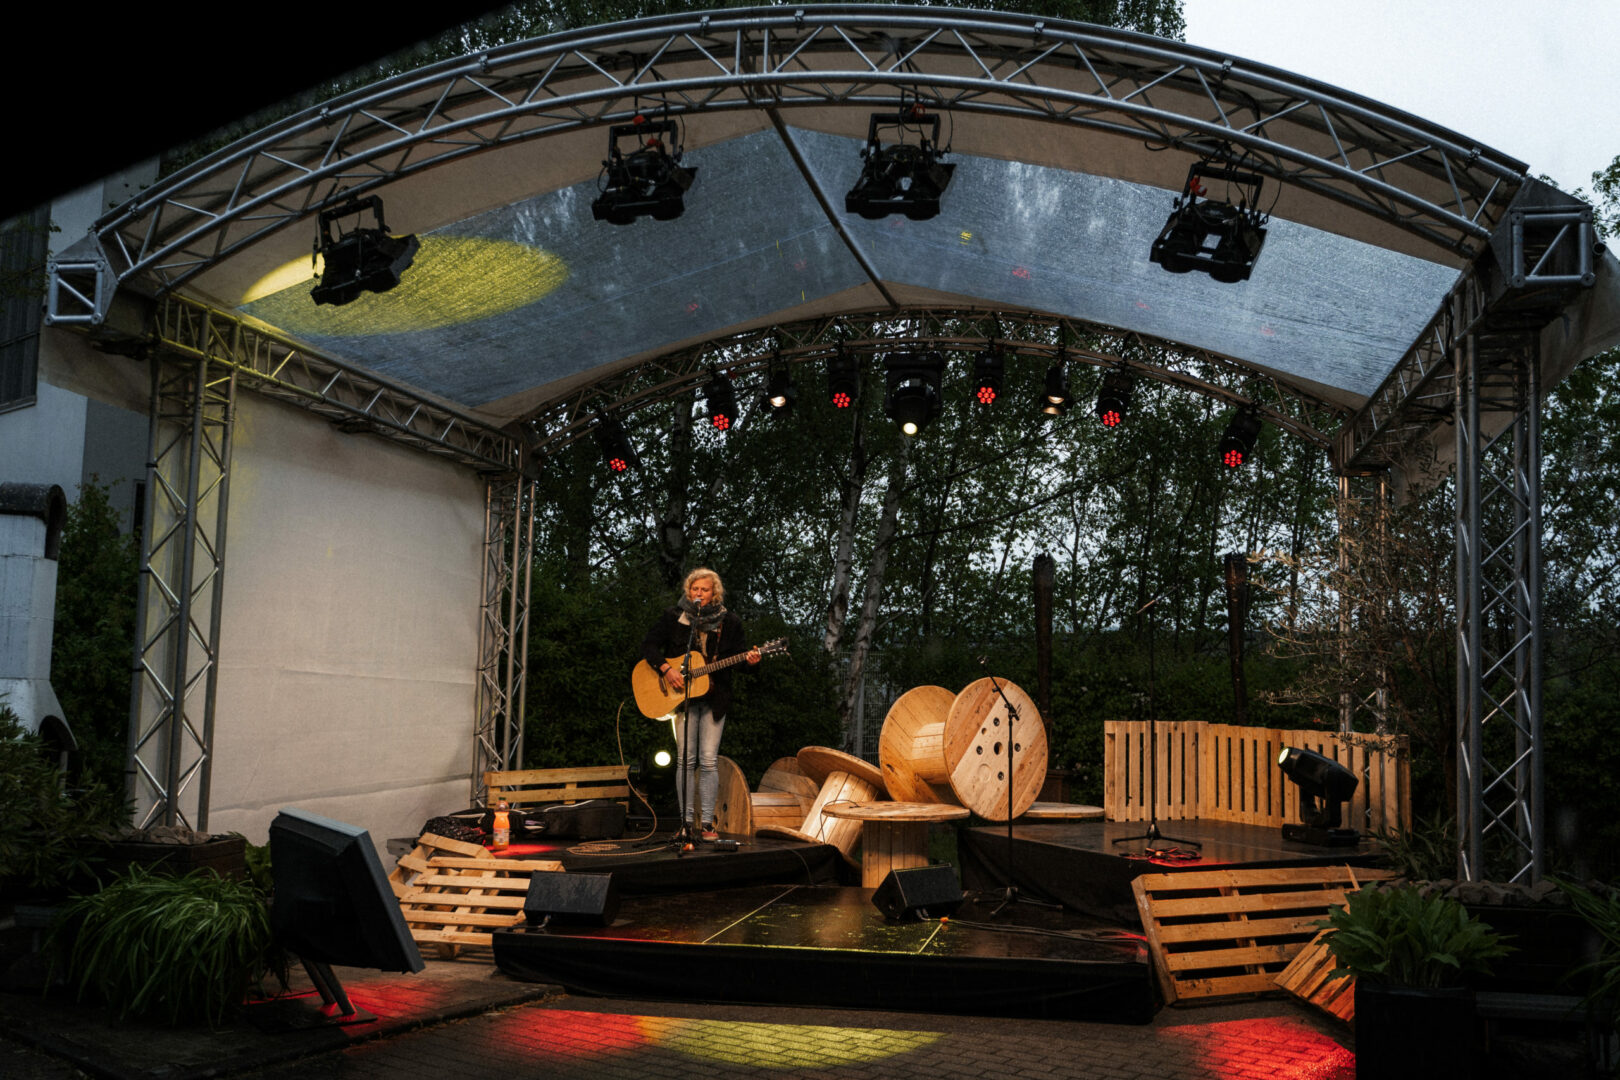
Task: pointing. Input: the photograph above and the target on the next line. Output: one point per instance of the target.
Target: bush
(49, 833)
(177, 949)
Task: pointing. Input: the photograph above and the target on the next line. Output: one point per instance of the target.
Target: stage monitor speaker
(591, 899)
(917, 893)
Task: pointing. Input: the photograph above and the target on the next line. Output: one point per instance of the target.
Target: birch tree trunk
(853, 484)
(888, 526)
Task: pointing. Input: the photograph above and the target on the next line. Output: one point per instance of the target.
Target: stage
(829, 946)
(1080, 866)
(778, 922)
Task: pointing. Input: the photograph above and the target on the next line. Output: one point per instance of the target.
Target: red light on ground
(574, 1036)
(842, 400)
(1268, 1046)
(986, 395)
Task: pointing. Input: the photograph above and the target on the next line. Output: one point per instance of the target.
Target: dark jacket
(669, 637)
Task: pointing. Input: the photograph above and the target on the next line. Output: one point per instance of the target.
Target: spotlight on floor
(1237, 443)
(902, 178)
(1114, 398)
(616, 448)
(1324, 787)
(649, 180)
(1219, 238)
(843, 379)
(1055, 397)
(988, 369)
(911, 395)
(364, 259)
(721, 399)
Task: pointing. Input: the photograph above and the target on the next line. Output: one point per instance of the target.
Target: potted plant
(182, 949)
(1412, 952)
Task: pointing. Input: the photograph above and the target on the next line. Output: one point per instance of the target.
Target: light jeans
(706, 729)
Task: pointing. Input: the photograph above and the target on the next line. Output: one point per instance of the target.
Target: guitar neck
(718, 665)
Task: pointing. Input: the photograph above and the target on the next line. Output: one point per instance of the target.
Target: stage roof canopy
(1070, 143)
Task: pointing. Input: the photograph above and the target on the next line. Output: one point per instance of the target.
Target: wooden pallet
(1225, 933)
(455, 894)
(1306, 977)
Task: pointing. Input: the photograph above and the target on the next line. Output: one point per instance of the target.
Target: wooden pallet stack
(454, 895)
(1224, 933)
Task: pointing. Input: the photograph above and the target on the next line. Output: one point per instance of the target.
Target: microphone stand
(687, 833)
(1153, 836)
(1011, 895)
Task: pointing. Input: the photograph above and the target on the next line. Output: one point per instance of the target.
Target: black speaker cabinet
(590, 899)
(920, 892)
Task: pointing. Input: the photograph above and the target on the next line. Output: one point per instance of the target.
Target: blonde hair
(701, 573)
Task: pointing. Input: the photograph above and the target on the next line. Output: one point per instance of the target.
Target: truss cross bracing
(1377, 161)
(503, 629)
(180, 592)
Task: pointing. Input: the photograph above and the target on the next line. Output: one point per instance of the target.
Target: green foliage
(177, 949)
(1404, 937)
(48, 833)
(1601, 911)
(94, 640)
(1426, 853)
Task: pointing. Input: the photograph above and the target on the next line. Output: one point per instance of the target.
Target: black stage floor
(829, 946)
(1079, 865)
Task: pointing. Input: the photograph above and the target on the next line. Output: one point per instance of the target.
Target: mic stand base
(1011, 895)
(1154, 836)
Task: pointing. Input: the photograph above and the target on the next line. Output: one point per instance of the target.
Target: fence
(1226, 773)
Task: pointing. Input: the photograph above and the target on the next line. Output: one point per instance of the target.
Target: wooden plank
(459, 847)
(1238, 956)
(469, 918)
(1245, 902)
(516, 866)
(1227, 986)
(467, 879)
(453, 938)
(1276, 875)
(443, 899)
(1222, 931)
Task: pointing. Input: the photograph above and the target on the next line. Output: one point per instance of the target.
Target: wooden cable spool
(979, 740)
(911, 748)
(785, 795)
(843, 778)
(733, 809)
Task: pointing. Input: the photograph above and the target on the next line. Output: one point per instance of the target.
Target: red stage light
(1233, 459)
(722, 422)
(1110, 418)
(986, 395)
(618, 464)
(842, 400)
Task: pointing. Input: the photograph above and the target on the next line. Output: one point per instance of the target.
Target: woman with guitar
(699, 623)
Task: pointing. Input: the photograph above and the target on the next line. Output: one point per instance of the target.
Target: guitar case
(593, 819)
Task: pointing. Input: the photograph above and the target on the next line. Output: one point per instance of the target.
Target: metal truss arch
(557, 423)
(1378, 161)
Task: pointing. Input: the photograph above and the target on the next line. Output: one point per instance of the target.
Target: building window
(23, 248)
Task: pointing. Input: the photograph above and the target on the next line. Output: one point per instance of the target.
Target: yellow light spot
(453, 280)
(782, 1046)
(966, 236)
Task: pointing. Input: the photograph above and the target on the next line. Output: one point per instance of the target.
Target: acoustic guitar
(654, 697)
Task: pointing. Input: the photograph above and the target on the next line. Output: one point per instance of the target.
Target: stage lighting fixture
(362, 259)
(911, 395)
(650, 180)
(780, 392)
(722, 402)
(843, 379)
(1114, 398)
(1055, 400)
(1324, 787)
(1237, 444)
(617, 450)
(1215, 237)
(988, 368)
(902, 178)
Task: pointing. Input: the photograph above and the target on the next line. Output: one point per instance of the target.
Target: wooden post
(1045, 576)
(1237, 606)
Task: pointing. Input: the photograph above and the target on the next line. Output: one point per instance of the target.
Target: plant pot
(225, 855)
(1418, 1032)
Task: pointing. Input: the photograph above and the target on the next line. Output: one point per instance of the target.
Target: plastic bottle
(503, 828)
